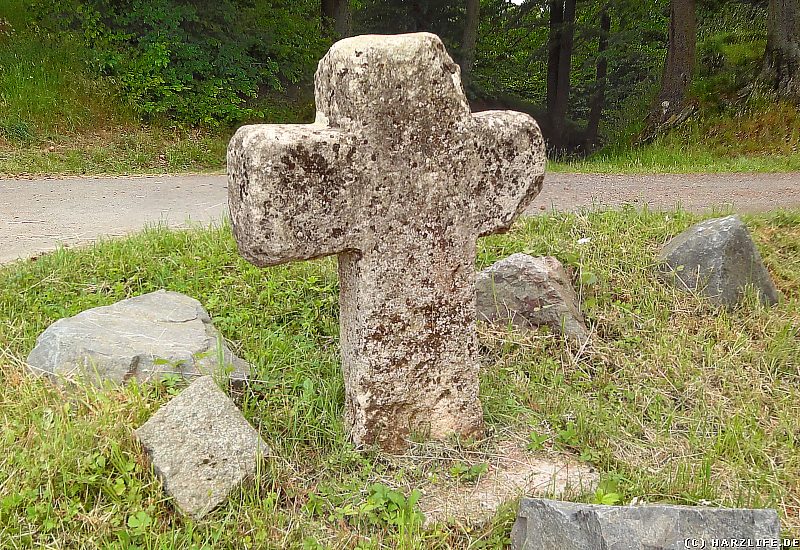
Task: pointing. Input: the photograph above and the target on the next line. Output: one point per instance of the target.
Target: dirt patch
(512, 472)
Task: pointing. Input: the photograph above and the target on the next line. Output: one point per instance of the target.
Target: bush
(205, 63)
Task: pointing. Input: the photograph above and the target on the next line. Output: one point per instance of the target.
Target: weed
(469, 474)
(536, 441)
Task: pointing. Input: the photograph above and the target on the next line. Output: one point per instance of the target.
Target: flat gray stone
(719, 259)
(201, 447)
(399, 179)
(142, 338)
(530, 292)
(543, 524)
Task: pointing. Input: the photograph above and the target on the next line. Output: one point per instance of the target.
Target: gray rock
(545, 524)
(530, 292)
(399, 179)
(140, 338)
(201, 447)
(719, 259)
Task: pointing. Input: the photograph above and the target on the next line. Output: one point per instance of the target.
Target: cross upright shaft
(399, 179)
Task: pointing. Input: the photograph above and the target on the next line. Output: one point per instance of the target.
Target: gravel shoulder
(38, 215)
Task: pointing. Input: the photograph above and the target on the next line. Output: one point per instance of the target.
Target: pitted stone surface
(571, 526)
(719, 259)
(399, 179)
(201, 447)
(530, 292)
(142, 338)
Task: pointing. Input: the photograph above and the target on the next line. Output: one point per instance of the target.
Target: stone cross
(399, 179)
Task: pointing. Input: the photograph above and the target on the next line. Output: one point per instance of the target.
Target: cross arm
(292, 192)
(512, 162)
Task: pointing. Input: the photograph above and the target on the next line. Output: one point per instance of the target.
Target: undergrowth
(674, 401)
(58, 118)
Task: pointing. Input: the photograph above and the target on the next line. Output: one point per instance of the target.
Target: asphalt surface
(38, 215)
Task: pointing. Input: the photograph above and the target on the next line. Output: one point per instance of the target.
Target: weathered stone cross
(399, 179)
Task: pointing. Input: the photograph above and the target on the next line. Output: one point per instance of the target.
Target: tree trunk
(560, 106)
(419, 17)
(598, 99)
(470, 39)
(336, 15)
(553, 50)
(679, 65)
(781, 65)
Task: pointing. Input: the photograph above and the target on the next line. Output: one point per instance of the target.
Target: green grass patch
(124, 150)
(674, 401)
(675, 158)
(45, 92)
(761, 138)
(57, 119)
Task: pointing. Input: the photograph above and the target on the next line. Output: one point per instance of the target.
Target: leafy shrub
(203, 63)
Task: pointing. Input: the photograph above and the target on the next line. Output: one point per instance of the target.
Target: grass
(45, 93)
(123, 150)
(57, 119)
(675, 158)
(738, 127)
(765, 138)
(675, 400)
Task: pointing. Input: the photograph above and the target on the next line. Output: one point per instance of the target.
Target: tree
(442, 17)
(553, 50)
(598, 98)
(781, 64)
(559, 66)
(679, 65)
(470, 39)
(336, 15)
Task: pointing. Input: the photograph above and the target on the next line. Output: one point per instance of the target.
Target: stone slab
(201, 447)
(144, 338)
(544, 524)
(512, 471)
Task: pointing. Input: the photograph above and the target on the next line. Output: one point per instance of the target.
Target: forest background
(103, 86)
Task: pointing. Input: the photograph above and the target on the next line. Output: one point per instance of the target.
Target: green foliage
(607, 498)
(513, 42)
(76, 83)
(536, 441)
(44, 91)
(202, 63)
(731, 42)
(442, 17)
(392, 507)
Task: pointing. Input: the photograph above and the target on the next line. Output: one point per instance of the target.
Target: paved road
(39, 215)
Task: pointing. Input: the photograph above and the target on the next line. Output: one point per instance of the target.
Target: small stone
(719, 259)
(201, 447)
(530, 292)
(144, 338)
(545, 524)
